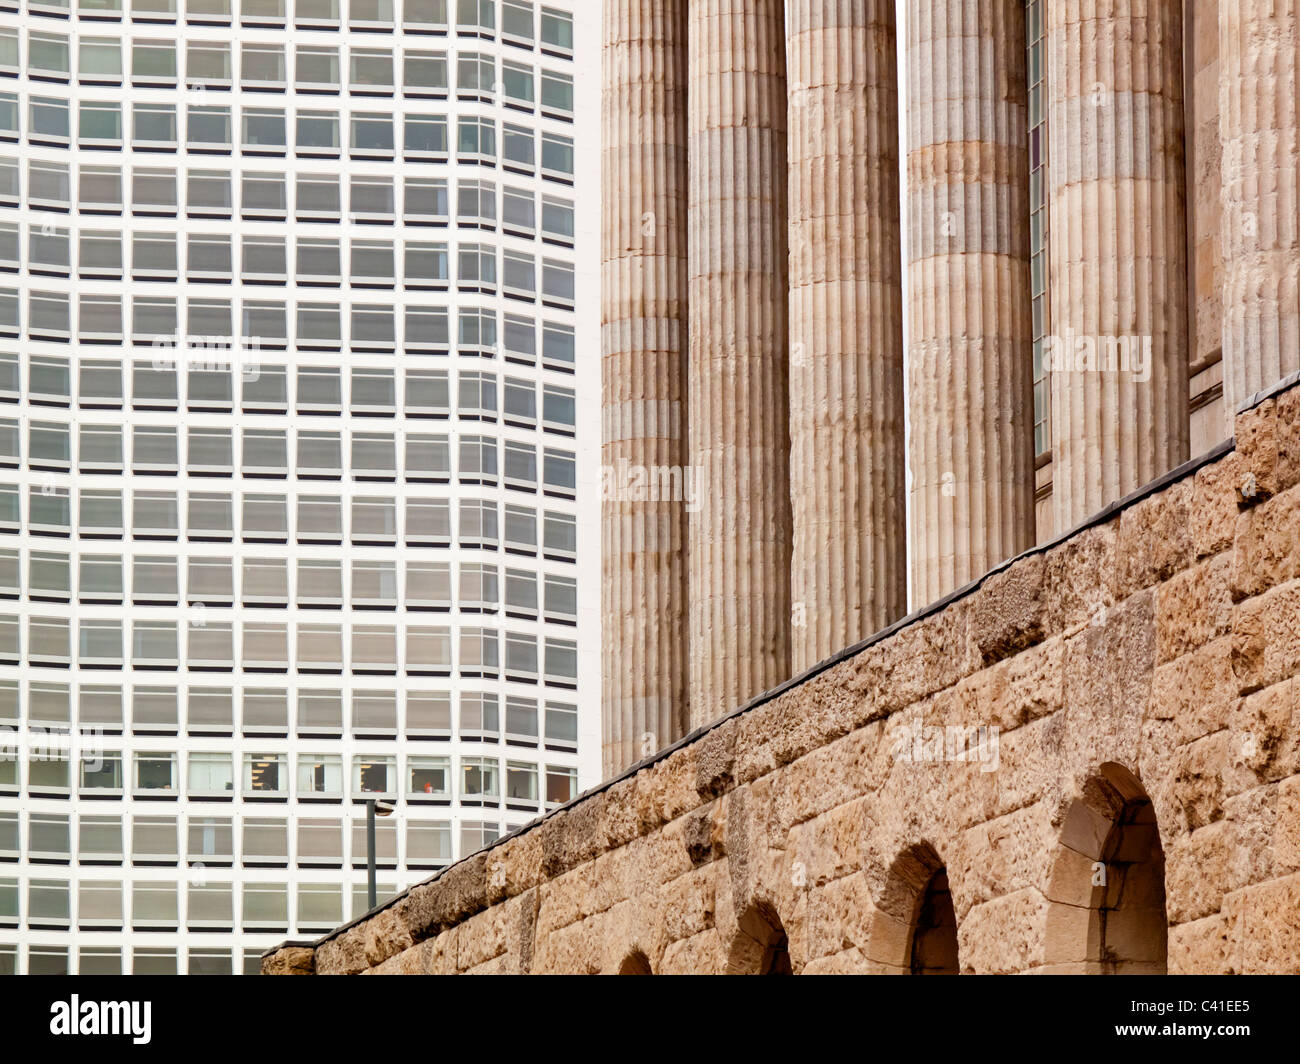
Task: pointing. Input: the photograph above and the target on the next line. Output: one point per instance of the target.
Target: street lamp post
(374, 807)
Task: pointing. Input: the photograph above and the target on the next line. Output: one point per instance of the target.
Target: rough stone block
(1267, 547)
(1286, 830)
(831, 846)
(290, 960)
(1110, 699)
(1008, 610)
(1199, 870)
(849, 962)
(826, 777)
(928, 656)
(483, 937)
(1155, 540)
(1288, 438)
(1216, 492)
(385, 935)
(457, 894)
(1079, 580)
(344, 954)
(715, 759)
(1000, 856)
(1199, 786)
(1256, 432)
(1200, 947)
(1194, 607)
(1014, 692)
(1196, 692)
(409, 962)
(688, 904)
(515, 866)
(1266, 638)
(1004, 935)
(1266, 732)
(1264, 927)
(839, 918)
(701, 955)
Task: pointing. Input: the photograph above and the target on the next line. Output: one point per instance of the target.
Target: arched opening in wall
(934, 938)
(1107, 891)
(914, 929)
(635, 963)
(760, 946)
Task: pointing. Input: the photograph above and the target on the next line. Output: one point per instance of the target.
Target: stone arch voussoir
(901, 904)
(1105, 891)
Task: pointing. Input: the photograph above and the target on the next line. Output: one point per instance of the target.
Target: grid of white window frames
(287, 461)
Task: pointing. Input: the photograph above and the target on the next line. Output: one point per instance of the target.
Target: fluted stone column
(1258, 40)
(739, 404)
(643, 314)
(848, 571)
(1117, 250)
(970, 357)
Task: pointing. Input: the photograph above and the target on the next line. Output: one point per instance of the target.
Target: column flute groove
(1259, 227)
(1118, 357)
(643, 318)
(848, 568)
(970, 338)
(738, 399)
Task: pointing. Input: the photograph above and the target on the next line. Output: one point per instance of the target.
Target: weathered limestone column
(848, 572)
(739, 402)
(970, 356)
(1117, 250)
(1258, 40)
(643, 313)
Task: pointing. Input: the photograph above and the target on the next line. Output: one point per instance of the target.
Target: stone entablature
(1141, 675)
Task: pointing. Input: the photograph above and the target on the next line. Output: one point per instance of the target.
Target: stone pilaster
(644, 290)
(1259, 227)
(739, 401)
(970, 339)
(848, 570)
(1117, 250)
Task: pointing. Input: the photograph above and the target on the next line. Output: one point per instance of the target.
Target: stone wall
(1151, 654)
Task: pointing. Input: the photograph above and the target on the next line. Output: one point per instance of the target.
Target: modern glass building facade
(297, 334)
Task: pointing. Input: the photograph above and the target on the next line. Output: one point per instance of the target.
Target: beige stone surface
(739, 557)
(848, 575)
(1205, 153)
(1260, 220)
(969, 348)
(1147, 718)
(1118, 250)
(644, 353)
(290, 960)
